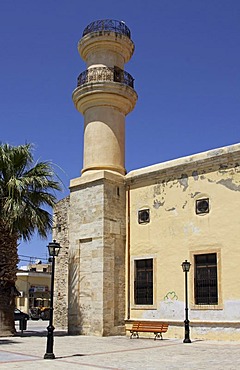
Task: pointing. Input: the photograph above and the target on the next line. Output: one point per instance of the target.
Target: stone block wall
(60, 233)
(97, 255)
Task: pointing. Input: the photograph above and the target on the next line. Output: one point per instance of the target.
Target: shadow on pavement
(76, 355)
(43, 333)
(7, 341)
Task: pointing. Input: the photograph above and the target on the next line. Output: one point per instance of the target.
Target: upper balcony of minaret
(107, 42)
(106, 46)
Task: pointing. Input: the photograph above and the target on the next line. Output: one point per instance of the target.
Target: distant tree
(25, 190)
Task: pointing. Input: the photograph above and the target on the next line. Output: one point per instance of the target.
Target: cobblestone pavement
(85, 353)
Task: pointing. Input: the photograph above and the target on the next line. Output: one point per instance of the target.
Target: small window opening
(202, 206)
(144, 216)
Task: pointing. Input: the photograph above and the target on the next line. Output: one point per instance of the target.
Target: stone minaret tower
(105, 94)
(97, 217)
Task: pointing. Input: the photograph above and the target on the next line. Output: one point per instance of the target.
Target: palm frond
(25, 190)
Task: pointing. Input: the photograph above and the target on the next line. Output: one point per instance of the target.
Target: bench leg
(158, 335)
(134, 333)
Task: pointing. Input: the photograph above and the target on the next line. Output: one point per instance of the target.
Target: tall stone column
(97, 220)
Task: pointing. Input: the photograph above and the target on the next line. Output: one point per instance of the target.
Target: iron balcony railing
(108, 25)
(101, 74)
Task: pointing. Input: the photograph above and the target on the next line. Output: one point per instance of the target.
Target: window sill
(144, 307)
(206, 307)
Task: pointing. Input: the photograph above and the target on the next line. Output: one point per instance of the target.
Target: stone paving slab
(85, 352)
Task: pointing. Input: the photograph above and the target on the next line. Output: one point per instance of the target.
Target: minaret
(97, 214)
(105, 94)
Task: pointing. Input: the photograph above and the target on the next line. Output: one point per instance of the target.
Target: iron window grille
(202, 206)
(206, 280)
(143, 284)
(144, 216)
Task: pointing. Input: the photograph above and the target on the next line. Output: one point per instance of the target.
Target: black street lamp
(53, 250)
(186, 267)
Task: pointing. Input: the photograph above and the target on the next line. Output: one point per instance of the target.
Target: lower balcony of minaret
(105, 86)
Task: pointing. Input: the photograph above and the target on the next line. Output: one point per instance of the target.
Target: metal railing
(108, 25)
(101, 74)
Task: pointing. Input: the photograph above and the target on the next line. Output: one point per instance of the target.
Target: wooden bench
(148, 327)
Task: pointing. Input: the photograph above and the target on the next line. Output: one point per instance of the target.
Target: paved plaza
(85, 353)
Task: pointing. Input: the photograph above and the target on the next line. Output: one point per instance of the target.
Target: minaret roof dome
(108, 25)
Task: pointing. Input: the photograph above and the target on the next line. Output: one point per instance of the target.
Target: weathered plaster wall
(176, 233)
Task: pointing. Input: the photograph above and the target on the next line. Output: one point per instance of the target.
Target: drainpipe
(128, 252)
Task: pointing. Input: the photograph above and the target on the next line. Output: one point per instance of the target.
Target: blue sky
(185, 65)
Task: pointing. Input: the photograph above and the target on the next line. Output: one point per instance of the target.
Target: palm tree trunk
(8, 277)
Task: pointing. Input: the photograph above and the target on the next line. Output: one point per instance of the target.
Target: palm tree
(25, 188)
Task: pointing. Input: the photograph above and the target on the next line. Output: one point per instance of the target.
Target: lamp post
(186, 267)
(53, 250)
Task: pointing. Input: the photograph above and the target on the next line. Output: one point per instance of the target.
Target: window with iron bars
(143, 284)
(206, 280)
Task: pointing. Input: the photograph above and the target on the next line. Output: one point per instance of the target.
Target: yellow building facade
(33, 284)
(186, 209)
